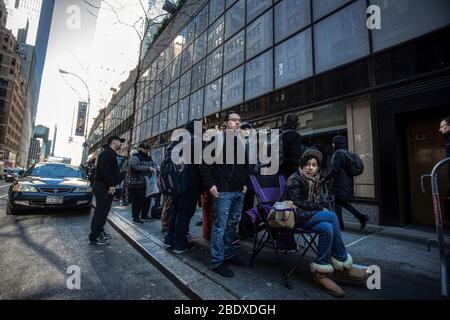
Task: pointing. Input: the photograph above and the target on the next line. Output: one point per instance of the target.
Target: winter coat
(292, 150)
(140, 165)
(297, 191)
(342, 186)
(107, 172)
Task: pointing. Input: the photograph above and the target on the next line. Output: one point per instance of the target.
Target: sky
(91, 43)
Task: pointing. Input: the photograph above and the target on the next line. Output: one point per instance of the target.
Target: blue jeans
(326, 224)
(227, 213)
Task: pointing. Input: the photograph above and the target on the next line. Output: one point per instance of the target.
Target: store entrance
(424, 148)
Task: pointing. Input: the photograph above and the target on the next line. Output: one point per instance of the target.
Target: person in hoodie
(107, 177)
(444, 128)
(226, 182)
(183, 206)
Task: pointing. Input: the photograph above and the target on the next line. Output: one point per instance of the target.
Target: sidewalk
(408, 270)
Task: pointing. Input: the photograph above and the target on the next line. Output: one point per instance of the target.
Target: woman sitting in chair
(303, 188)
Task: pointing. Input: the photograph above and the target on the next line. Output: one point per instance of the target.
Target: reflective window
(258, 76)
(177, 45)
(173, 98)
(169, 54)
(165, 98)
(157, 107)
(149, 128)
(216, 8)
(151, 108)
(163, 121)
(214, 65)
(185, 84)
(259, 35)
(183, 112)
(188, 34)
(323, 7)
(234, 51)
(167, 74)
(159, 82)
(155, 125)
(342, 37)
(200, 47)
(196, 108)
(172, 117)
(186, 59)
(256, 7)
(198, 75)
(215, 35)
(235, 19)
(229, 3)
(175, 72)
(213, 97)
(293, 59)
(407, 20)
(233, 88)
(291, 16)
(201, 21)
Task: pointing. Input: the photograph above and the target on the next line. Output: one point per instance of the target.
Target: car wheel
(10, 211)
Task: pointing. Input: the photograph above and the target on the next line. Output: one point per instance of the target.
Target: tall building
(40, 147)
(23, 19)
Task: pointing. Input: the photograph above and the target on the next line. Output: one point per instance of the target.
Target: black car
(50, 186)
(12, 174)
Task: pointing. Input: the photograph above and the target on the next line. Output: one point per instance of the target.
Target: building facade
(384, 89)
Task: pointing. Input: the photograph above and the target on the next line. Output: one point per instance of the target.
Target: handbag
(282, 215)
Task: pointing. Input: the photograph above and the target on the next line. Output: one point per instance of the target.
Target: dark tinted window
(56, 171)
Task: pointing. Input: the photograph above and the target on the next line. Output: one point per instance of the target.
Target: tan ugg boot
(321, 279)
(344, 271)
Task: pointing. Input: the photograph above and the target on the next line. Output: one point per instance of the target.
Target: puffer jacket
(297, 190)
(140, 165)
(343, 186)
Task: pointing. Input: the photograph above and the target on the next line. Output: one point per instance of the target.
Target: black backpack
(174, 178)
(355, 166)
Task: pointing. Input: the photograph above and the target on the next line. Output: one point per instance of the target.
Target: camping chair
(268, 190)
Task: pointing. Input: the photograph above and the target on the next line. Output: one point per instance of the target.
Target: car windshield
(56, 171)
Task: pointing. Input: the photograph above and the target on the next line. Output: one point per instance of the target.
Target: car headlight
(83, 189)
(24, 188)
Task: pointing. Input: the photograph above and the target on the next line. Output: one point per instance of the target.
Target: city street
(37, 250)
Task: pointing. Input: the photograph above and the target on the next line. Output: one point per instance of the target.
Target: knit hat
(340, 141)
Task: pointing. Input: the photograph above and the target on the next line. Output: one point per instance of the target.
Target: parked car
(50, 186)
(13, 173)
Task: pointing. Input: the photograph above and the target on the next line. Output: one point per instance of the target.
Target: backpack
(355, 166)
(174, 179)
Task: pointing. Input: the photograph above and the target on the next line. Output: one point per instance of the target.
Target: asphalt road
(42, 255)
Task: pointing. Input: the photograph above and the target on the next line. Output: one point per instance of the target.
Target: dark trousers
(339, 204)
(103, 204)
(180, 215)
(245, 226)
(140, 205)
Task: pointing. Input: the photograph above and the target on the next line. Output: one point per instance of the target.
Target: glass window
(201, 21)
(151, 107)
(291, 16)
(293, 59)
(149, 129)
(258, 76)
(172, 117)
(216, 8)
(185, 84)
(173, 98)
(196, 108)
(167, 74)
(214, 65)
(259, 35)
(229, 3)
(177, 45)
(234, 51)
(342, 37)
(215, 35)
(188, 34)
(186, 59)
(157, 107)
(175, 72)
(198, 75)
(407, 20)
(213, 97)
(183, 112)
(165, 98)
(235, 19)
(200, 47)
(159, 82)
(233, 88)
(161, 61)
(323, 7)
(155, 125)
(169, 54)
(255, 7)
(163, 121)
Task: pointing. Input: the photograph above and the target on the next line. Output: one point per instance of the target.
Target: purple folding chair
(268, 190)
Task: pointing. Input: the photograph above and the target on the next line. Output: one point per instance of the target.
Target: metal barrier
(444, 255)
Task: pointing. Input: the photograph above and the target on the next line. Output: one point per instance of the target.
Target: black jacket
(292, 150)
(342, 186)
(107, 172)
(140, 165)
(447, 152)
(297, 190)
(227, 177)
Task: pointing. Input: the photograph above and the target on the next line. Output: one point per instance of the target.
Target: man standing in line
(292, 146)
(106, 178)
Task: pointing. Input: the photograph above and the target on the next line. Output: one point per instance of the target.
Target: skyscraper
(23, 19)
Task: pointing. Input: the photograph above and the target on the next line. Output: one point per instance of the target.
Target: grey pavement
(408, 270)
(37, 249)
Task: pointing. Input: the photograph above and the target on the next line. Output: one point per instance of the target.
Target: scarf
(314, 186)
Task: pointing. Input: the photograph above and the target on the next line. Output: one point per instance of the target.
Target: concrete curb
(195, 284)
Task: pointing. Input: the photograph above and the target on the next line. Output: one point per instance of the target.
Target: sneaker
(146, 218)
(236, 244)
(138, 221)
(235, 261)
(223, 270)
(106, 235)
(190, 247)
(167, 246)
(100, 241)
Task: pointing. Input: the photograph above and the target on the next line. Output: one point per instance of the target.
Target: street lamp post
(85, 144)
